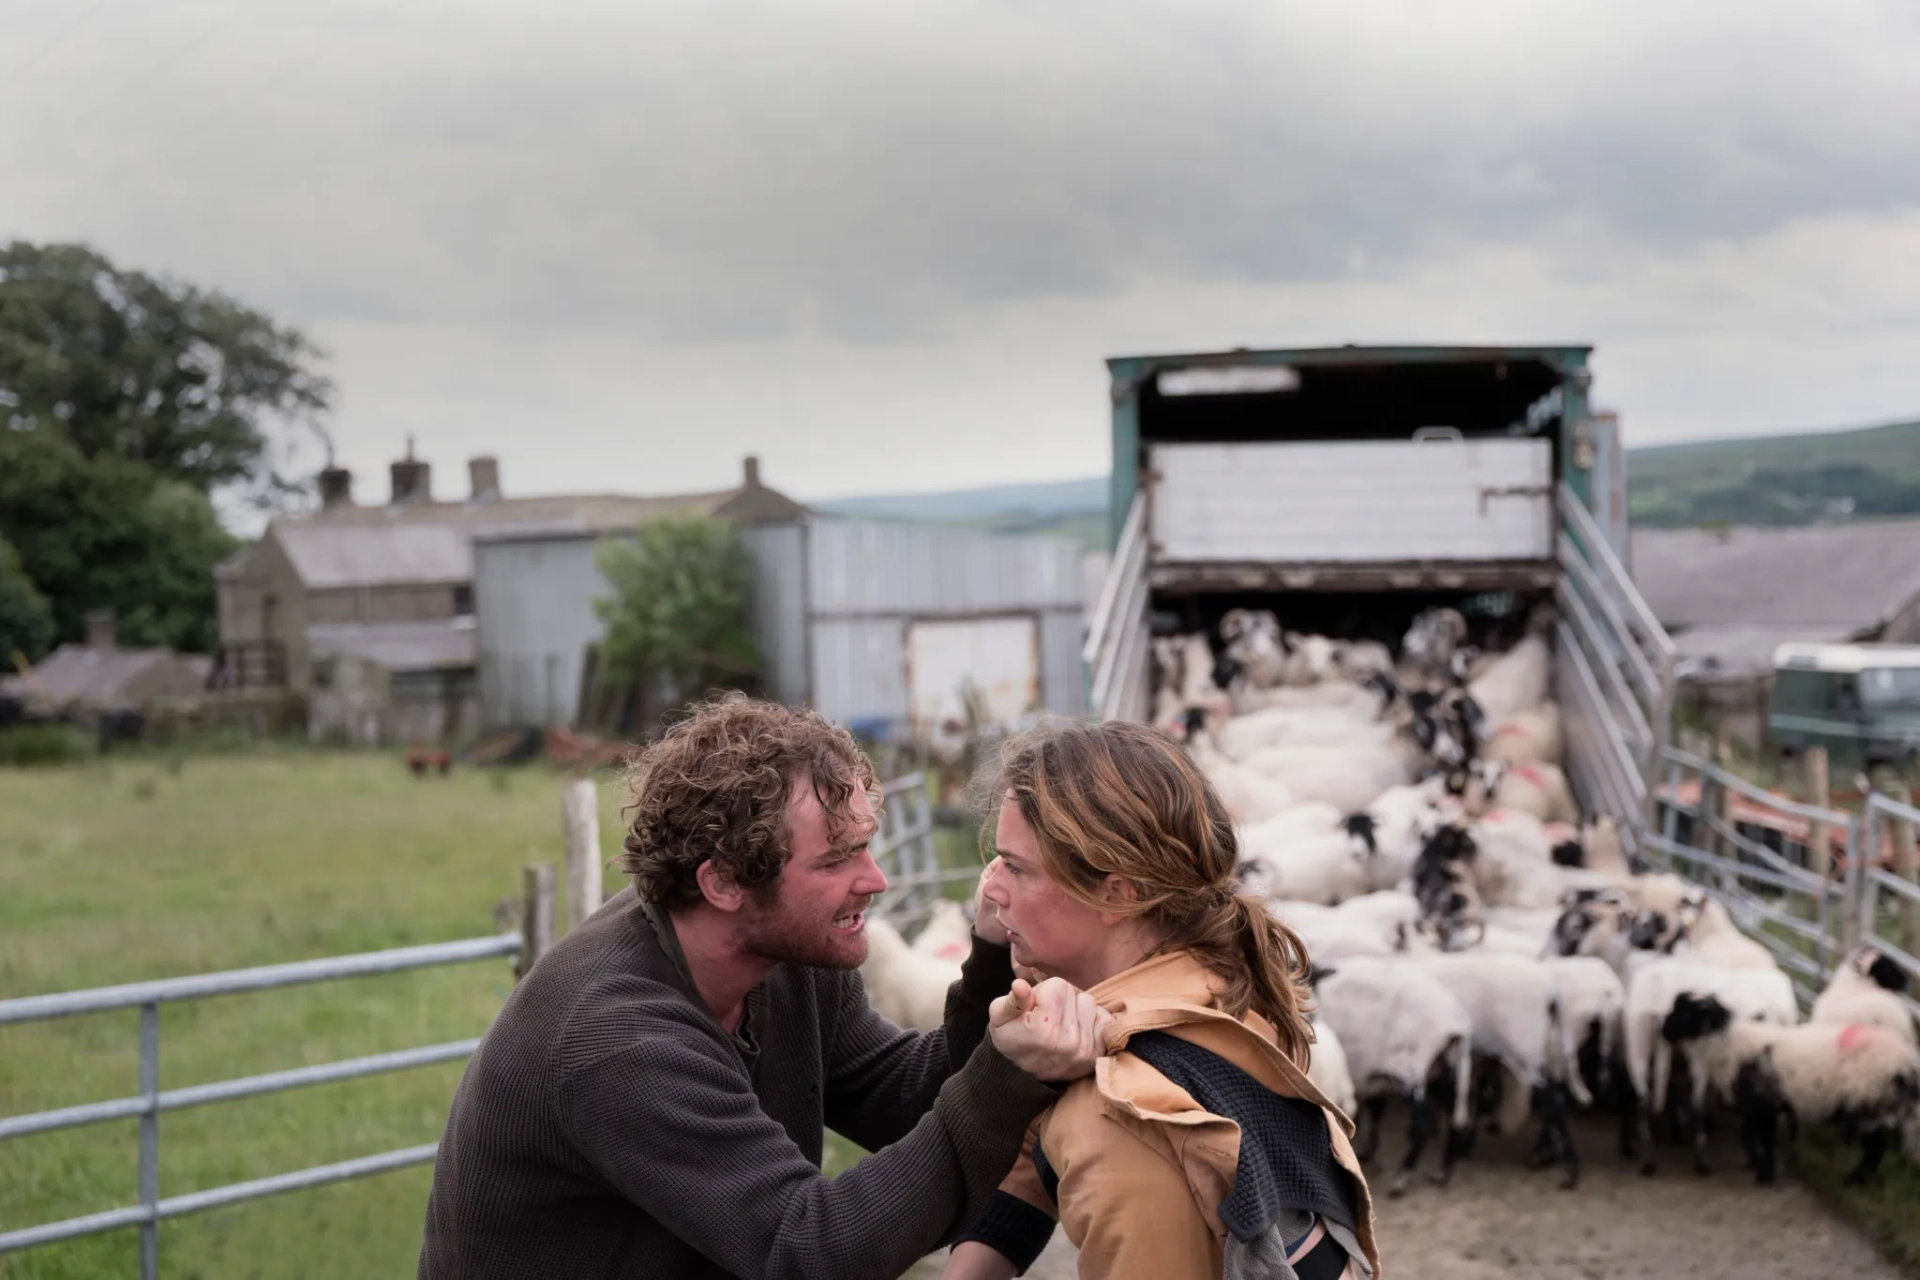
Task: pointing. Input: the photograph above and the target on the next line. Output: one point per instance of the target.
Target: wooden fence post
(536, 914)
(580, 816)
(1819, 792)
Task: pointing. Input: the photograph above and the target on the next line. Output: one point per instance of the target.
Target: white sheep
(1593, 1001)
(1398, 823)
(1257, 647)
(905, 987)
(1539, 789)
(1329, 935)
(1866, 1076)
(1429, 645)
(1349, 777)
(1323, 867)
(1703, 932)
(1516, 681)
(1360, 700)
(1514, 1003)
(1249, 797)
(1358, 660)
(1866, 989)
(1327, 1068)
(947, 934)
(1757, 995)
(1401, 1028)
(1532, 736)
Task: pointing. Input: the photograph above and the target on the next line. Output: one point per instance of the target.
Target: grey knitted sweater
(607, 1126)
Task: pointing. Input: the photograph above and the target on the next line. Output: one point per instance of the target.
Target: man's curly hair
(716, 788)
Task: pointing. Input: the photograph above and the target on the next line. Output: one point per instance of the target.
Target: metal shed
(875, 623)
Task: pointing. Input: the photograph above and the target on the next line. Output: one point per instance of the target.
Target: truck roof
(1573, 353)
(1849, 658)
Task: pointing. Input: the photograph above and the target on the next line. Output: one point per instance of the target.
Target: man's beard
(808, 940)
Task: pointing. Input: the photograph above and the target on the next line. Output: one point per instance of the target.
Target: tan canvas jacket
(1142, 1167)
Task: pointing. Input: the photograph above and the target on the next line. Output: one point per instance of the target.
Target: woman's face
(1048, 929)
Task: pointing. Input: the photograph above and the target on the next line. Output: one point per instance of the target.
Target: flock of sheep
(1477, 950)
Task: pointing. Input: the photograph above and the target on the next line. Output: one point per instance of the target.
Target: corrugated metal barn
(878, 624)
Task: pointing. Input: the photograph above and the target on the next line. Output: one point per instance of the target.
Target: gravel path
(1501, 1221)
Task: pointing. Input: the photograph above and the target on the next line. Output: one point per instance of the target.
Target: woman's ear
(1118, 894)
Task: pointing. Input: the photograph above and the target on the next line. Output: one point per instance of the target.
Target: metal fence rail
(904, 848)
(1805, 910)
(1901, 918)
(151, 1100)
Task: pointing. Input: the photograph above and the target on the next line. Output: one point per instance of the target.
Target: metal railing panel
(147, 1106)
(264, 978)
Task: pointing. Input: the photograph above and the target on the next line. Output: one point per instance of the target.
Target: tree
(179, 379)
(677, 615)
(107, 532)
(26, 621)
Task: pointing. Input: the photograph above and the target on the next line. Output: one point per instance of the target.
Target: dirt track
(1500, 1221)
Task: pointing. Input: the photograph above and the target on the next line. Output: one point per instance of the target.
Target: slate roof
(400, 646)
(328, 554)
(1849, 577)
(79, 673)
(432, 542)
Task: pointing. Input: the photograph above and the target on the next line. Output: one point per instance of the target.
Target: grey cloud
(871, 172)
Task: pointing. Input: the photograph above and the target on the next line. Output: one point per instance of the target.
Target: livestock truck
(1349, 488)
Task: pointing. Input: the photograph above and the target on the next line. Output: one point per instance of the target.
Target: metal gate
(1787, 873)
(904, 848)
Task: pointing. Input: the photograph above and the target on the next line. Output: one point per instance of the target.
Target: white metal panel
(998, 657)
(1364, 501)
(1063, 676)
(859, 669)
(777, 609)
(533, 601)
(869, 567)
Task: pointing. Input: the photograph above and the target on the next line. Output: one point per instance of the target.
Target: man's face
(818, 912)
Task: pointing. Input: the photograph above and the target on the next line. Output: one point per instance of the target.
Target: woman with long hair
(1198, 1148)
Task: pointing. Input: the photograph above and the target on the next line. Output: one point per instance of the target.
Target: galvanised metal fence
(152, 1101)
(1808, 881)
(904, 848)
(1889, 892)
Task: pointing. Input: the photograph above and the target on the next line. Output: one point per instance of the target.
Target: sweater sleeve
(670, 1121)
(879, 1079)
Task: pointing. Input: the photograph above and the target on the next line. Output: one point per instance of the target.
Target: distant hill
(1074, 509)
(1869, 473)
(1815, 476)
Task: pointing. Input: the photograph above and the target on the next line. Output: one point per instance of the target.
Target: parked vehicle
(1859, 701)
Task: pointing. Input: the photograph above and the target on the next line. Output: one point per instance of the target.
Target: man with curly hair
(652, 1099)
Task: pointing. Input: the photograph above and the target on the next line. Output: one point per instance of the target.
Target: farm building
(369, 611)
(1731, 597)
(99, 678)
(874, 623)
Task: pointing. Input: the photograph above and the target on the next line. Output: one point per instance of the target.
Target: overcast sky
(886, 245)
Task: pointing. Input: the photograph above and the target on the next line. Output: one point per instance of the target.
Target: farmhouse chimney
(751, 468)
(100, 629)
(484, 474)
(412, 479)
(336, 488)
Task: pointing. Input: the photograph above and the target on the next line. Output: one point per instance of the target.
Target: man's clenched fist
(1053, 1032)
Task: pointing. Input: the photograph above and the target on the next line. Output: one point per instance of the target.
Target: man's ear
(719, 889)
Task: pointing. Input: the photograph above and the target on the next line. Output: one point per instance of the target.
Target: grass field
(120, 871)
(145, 867)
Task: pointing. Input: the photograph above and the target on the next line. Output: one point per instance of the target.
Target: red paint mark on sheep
(1854, 1038)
